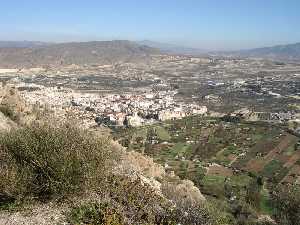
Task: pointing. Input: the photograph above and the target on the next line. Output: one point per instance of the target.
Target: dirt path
(47, 214)
(292, 176)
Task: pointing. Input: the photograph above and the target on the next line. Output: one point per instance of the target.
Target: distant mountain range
(35, 54)
(289, 52)
(280, 52)
(97, 52)
(22, 44)
(173, 49)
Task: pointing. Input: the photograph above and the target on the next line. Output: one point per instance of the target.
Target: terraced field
(219, 155)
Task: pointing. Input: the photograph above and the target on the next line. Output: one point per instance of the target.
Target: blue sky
(207, 24)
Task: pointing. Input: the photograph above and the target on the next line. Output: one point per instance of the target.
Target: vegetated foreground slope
(53, 172)
(80, 53)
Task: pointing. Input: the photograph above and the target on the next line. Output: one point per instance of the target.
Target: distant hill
(96, 52)
(22, 44)
(173, 49)
(279, 52)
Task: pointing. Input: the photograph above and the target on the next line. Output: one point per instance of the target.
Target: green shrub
(95, 213)
(46, 161)
(220, 212)
(140, 204)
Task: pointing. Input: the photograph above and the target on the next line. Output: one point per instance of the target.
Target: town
(111, 109)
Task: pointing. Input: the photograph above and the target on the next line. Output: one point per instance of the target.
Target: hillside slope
(54, 173)
(22, 44)
(80, 53)
(281, 52)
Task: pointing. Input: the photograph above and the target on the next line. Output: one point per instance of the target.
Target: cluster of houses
(111, 109)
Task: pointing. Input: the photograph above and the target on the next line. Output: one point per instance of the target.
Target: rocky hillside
(80, 53)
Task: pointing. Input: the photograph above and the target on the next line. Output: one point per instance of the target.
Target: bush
(95, 213)
(138, 203)
(219, 210)
(45, 161)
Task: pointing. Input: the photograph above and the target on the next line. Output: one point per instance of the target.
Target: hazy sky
(207, 24)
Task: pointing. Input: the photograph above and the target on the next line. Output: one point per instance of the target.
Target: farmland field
(223, 159)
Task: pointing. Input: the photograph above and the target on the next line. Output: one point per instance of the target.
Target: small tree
(253, 196)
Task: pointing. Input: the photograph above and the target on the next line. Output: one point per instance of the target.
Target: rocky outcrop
(136, 165)
(11, 99)
(182, 191)
(142, 164)
(12, 105)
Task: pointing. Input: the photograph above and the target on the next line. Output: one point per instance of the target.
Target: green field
(188, 146)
